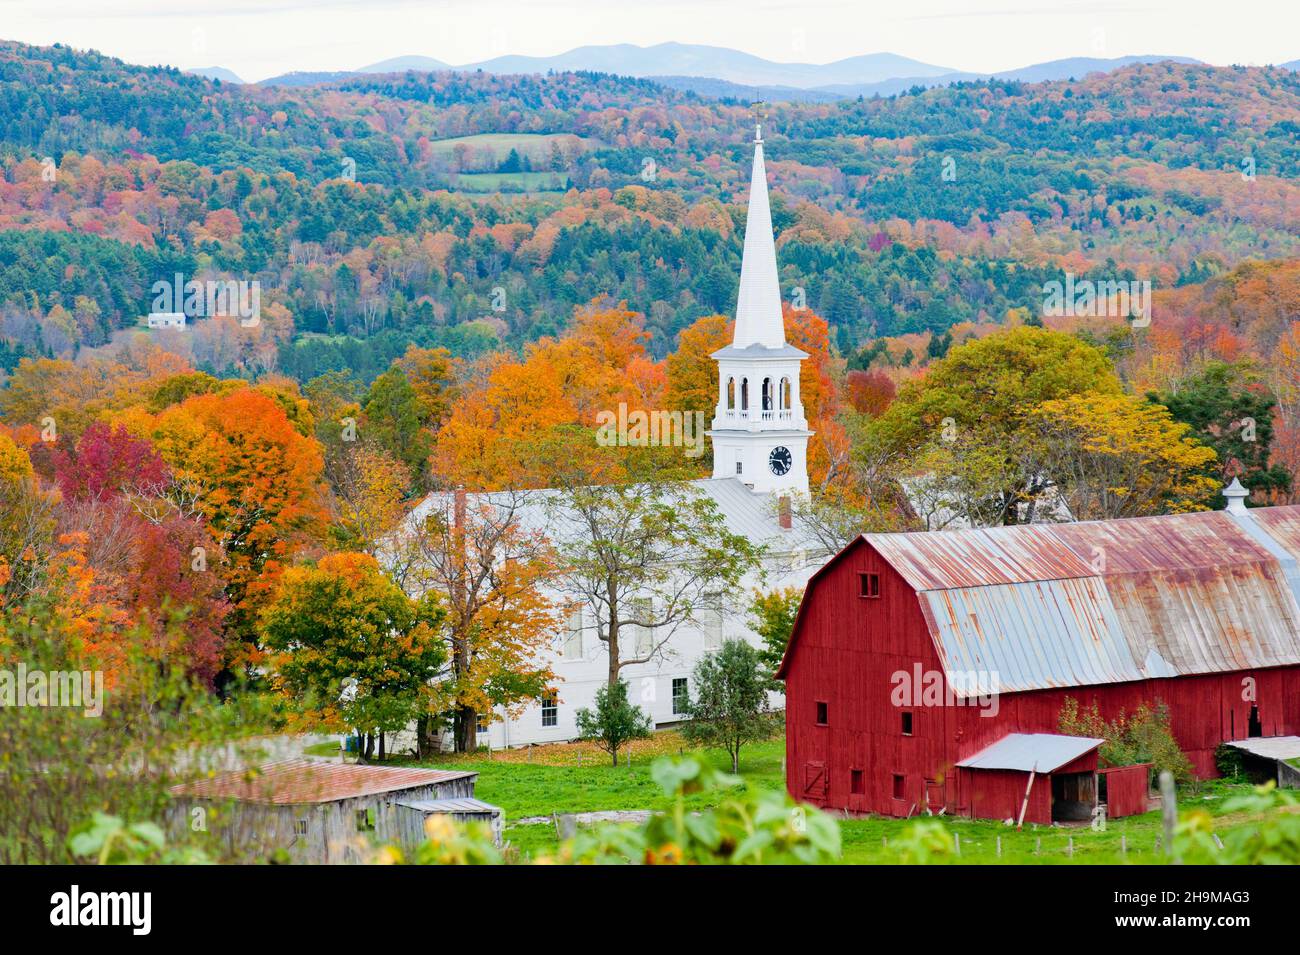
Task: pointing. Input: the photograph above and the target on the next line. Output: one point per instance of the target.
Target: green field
(525, 789)
(536, 146)
(490, 182)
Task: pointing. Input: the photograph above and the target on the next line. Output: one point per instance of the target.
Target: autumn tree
(351, 649)
(27, 522)
(969, 417)
(368, 490)
(254, 479)
(1117, 456)
(117, 498)
(490, 570)
(506, 431)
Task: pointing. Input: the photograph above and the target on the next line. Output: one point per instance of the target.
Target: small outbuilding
(1034, 777)
(325, 812)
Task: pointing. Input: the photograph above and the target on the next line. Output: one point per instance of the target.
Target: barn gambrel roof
(1056, 605)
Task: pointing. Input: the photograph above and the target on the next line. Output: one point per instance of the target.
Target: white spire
(758, 310)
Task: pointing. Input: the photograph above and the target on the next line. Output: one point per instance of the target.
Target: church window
(744, 394)
(767, 394)
(731, 394)
(573, 634)
(785, 394)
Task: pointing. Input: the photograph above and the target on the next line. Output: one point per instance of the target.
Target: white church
(760, 444)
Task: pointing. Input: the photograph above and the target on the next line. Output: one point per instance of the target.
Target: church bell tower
(759, 433)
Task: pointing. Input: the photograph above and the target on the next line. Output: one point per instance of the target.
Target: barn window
(822, 709)
(480, 723)
(869, 585)
(856, 786)
(900, 786)
(550, 710)
(365, 820)
(300, 827)
(907, 723)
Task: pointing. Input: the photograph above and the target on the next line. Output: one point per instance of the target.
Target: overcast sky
(261, 38)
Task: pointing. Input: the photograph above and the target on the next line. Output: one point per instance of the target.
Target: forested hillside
(474, 211)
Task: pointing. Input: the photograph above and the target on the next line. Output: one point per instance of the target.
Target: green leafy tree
(352, 649)
(771, 616)
(1233, 414)
(646, 557)
(730, 706)
(395, 417)
(614, 722)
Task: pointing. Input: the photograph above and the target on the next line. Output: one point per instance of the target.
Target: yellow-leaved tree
(489, 569)
(1119, 456)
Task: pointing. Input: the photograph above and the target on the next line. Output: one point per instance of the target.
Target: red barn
(929, 670)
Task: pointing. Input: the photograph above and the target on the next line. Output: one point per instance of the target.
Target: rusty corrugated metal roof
(1029, 636)
(1043, 606)
(302, 781)
(937, 560)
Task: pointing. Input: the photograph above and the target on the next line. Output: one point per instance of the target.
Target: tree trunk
(735, 761)
(426, 741)
(369, 749)
(612, 646)
(381, 746)
(466, 729)
(614, 753)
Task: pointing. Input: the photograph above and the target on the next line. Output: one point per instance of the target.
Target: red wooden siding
(847, 648)
(1127, 789)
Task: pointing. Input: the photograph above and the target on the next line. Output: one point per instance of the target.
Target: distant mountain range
(719, 72)
(217, 73)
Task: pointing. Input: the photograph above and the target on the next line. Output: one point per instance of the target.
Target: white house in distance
(760, 440)
(166, 320)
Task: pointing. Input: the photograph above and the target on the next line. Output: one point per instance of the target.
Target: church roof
(758, 308)
(759, 351)
(751, 514)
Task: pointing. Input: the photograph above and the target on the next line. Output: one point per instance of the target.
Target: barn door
(934, 795)
(816, 781)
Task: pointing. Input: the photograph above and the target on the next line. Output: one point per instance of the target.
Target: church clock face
(780, 461)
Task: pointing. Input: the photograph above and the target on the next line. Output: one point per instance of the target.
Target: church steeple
(758, 310)
(759, 433)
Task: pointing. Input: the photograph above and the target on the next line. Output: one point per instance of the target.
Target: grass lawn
(576, 777)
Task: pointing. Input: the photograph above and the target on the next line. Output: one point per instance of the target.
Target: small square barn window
(365, 820)
(900, 786)
(856, 786)
(822, 709)
(550, 710)
(300, 827)
(868, 585)
(907, 723)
